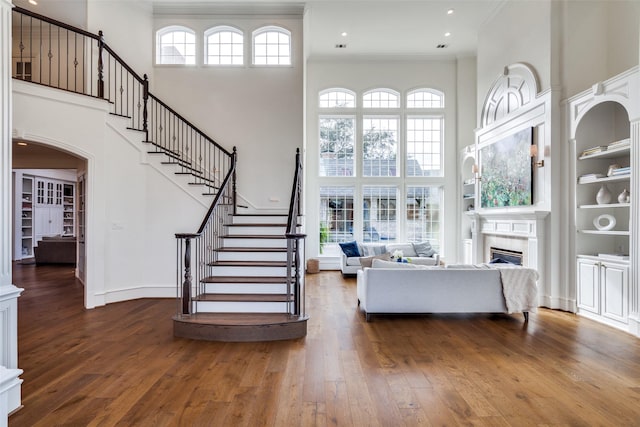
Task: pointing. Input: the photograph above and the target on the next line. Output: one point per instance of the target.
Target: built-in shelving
(603, 153)
(68, 214)
(26, 217)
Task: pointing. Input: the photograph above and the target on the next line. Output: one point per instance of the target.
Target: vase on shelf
(623, 197)
(603, 197)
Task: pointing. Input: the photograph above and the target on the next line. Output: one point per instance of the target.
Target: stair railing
(206, 242)
(295, 246)
(58, 55)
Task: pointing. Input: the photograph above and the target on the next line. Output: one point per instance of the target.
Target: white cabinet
(603, 288)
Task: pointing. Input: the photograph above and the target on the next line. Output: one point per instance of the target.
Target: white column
(634, 252)
(10, 383)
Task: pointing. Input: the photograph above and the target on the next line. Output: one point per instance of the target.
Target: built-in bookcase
(26, 218)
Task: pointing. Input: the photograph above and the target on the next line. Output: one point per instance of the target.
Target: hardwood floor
(120, 365)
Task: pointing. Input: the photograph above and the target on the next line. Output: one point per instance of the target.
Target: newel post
(100, 65)
(145, 111)
(186, 284)
(234, 160)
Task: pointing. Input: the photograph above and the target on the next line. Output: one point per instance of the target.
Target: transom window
(272, 46)
(381, 98)
(175, 45)
(224, 45)
(425, 98)
(337, 98)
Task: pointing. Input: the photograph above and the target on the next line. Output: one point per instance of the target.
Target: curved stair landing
(240, 327)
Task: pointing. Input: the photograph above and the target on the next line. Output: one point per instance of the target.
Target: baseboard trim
(138, 292)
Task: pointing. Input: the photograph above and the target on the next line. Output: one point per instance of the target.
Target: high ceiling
(397, 28)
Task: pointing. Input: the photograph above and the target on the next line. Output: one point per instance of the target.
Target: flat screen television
(506, 171)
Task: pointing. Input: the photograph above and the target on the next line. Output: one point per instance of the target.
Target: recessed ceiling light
(22, 143)
(447, 34)
(33, 2)
(344, 34)
(450, 12)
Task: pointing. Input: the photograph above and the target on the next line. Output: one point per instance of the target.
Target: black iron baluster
(100, 65)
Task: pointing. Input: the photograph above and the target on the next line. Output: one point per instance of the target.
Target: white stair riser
(252, 230)
(245, 288)
(254, 243)
(248, 271)
(260, 219)
(252, 256)
(240, 307)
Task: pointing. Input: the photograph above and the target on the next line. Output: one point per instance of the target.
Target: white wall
(134, 205)
(519, 32)
(256, 109)
(362, 75)
(128, 29)
(600, 39)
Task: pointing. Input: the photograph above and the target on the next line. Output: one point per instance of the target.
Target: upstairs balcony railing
(58, 55)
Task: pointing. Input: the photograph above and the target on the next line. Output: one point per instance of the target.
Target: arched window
(175, 45)
(337, 98)
(271, 46)
(381, 98)
(425, 98)
(223, 45)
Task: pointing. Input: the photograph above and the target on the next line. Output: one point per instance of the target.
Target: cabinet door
(614, 279)
(588, 286)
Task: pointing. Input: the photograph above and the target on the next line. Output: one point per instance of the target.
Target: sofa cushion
(423, 249)
(372, 249)
(367, 261)
(350, 249)
(406, 248)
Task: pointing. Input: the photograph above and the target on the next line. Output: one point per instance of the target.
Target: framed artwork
(506, 170)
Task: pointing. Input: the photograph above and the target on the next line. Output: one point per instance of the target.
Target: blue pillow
(350, 249)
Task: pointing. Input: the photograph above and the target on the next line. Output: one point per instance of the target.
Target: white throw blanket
(519, 288)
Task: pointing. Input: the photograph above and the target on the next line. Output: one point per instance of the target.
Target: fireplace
(505, 256)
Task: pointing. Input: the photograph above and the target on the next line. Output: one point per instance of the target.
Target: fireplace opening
(498, 255)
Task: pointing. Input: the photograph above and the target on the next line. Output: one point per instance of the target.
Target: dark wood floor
(120, 365)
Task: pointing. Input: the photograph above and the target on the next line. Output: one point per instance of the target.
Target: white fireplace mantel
(514, 224)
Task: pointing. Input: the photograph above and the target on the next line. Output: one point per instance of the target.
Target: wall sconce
(476, 172)
(533, 152)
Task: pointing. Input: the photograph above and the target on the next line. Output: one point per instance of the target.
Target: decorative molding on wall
(515, 88)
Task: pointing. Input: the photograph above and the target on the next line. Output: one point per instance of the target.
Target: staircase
(247, 282)
(245, 295)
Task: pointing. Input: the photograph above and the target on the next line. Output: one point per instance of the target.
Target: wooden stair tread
(244, 279)
(242, 298)
(248, 264)
(251, 249)
(241, 318)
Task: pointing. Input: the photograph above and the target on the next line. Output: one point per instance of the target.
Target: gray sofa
(351, 265)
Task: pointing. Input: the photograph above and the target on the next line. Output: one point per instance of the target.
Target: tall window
(380, 146)
(175, 45)
(423, 206)
(336, 217)
(424, 146)
(271, 46)
(379, 213)
(224, 46)
(395, 193)
(337, 143)
(381, 98)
